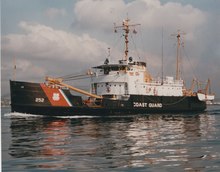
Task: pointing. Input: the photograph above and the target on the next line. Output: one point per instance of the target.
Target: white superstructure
(132, 78)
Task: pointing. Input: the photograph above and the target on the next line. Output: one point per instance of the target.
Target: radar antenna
(126, 27)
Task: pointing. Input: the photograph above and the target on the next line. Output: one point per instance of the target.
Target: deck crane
(59, 81)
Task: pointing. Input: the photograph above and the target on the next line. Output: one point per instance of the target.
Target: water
(181, 142)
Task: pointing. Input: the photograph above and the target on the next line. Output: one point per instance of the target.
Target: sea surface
(165, 142)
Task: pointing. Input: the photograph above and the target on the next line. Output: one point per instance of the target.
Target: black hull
(31, 98)
(99, 112)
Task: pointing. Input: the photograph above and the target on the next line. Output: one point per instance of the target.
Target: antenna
(109, 51)
(14, 68)
(125, 26)
(162, 59)
(178, 61)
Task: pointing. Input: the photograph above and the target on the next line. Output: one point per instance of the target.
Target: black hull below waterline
(37, 98)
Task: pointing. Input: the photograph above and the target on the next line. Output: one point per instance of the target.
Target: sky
(56, 38)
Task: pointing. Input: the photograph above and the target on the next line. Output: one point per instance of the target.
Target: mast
(178, 57)
(178, 61)
(162, 59)
(126, 27)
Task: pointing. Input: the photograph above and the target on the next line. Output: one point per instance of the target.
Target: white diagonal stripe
(61, 91)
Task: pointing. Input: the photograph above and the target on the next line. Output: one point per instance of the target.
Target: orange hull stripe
(54, 96)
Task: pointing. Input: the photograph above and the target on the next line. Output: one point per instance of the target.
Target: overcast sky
(60, 37)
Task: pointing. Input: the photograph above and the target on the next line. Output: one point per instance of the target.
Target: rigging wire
(83, 72)
(78, 76)
(72, 79)
(83, 77)
(142, 41)
(135, 47)
(74, 76)
(194, 74)
(116, 43)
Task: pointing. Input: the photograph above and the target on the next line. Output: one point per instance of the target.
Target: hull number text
(39, 100)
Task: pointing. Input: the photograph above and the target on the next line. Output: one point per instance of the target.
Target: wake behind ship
(121, 88)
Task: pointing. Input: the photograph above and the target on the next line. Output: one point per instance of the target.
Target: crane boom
(59, 82)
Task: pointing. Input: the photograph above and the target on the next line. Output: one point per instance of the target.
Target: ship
(122, 88)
